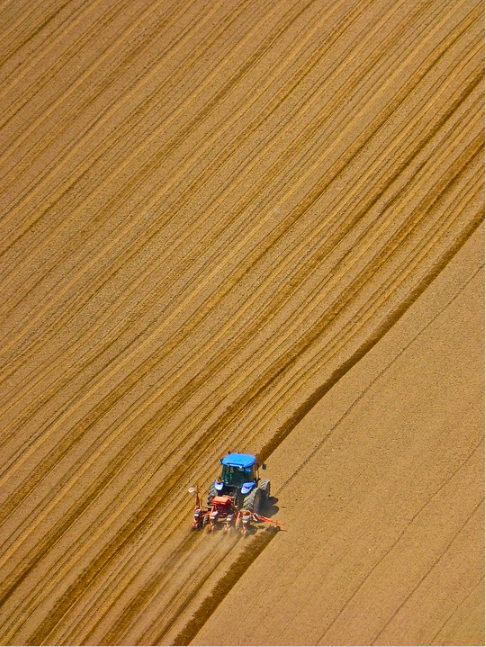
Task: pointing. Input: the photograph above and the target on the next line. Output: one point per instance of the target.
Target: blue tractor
(240, 479)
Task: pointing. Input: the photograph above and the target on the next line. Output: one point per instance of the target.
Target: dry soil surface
(246, 225)
(384, 517)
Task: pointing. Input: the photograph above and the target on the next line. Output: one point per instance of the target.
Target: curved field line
(22, 20)
(124, 94)
(284, 395)
(174, 179)
(62, 188)
(277, 372)
(442, 262)
(137, 283)
(432, 226)
(163, 258)
(473, 109)
(71, 22)
(56, 194)
(79, 42)
(85, 74)
(375, 380)
(300, 316)
(158, 331)
(185, 236)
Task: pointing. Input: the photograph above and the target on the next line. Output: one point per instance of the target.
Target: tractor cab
(239, 474)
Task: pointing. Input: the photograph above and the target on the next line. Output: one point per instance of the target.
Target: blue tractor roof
(239, 460)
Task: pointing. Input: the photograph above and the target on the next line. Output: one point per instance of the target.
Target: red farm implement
(224, 512)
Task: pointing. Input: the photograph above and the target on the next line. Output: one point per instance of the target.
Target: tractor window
(237, 475)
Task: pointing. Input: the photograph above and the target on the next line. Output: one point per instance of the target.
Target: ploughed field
(247, 226)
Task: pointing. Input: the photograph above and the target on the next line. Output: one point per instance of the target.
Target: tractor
(235, 498)
(240, 479)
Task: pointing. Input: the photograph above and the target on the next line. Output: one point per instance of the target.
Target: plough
(223, 511)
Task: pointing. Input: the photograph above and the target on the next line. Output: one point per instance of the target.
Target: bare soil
(248, 226)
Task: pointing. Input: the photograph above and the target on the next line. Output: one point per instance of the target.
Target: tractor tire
(211, 493)
(252, 502)
(264, 488)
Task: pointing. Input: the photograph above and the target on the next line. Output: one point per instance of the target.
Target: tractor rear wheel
(252, 502)
(265, 490)
(211, 493)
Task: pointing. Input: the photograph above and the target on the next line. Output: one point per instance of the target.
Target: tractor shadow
(271, 508)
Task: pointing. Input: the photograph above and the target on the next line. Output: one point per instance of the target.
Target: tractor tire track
(299, 215)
